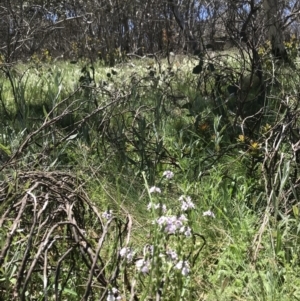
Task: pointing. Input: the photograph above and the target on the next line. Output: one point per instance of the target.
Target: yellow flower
(266, 128)
(241, 138)
(254, 146)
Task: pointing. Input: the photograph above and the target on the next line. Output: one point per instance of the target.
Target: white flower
(181, 198)
(188, 232)
(168, 174)
(113, 295)
(209, 213)
(143, 266)
(157, 206)
(183, 266)
(184, 198)
(128, 253)
(123, 252)
(154, 189)
(185, 270)
(107, 214)
(110, 297)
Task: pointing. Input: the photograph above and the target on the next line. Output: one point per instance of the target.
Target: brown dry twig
(47, 218)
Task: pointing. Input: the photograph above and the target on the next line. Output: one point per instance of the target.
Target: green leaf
(45, 113)
(295, 211)
(13, 280)
(5, 149)
(278, 242)
(70, 292)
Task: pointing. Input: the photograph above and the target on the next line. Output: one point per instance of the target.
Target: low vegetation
(155, 179)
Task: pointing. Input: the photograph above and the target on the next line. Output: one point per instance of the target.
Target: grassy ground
(141, 182)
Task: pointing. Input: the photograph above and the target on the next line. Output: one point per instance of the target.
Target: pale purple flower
(168, 174)
(186, 230)
(171, 228)
(171, 224)
(209, 213)
(161, 221)
(184, 206)
(183, 218)
(154, 189)
(184, 267)
(186, 203)
(143, 266)
(107, 214)
(178, 222)
(127, 253)
(172, 255)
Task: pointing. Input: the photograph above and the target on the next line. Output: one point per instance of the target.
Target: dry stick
(3, 217)
(117, 269)
(45, 277)
(42, 127)
(12, 231)
(57, 272)
(93, 207)
(84, 246)
(100, 244)
(115, 273)
(53, 121)
(258, 237)
(133, 296)
(43, 247)
(130, 286)
(29, 241)
(249, 117)
(80, 123)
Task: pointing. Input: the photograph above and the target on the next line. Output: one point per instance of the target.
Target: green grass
(78, 140)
